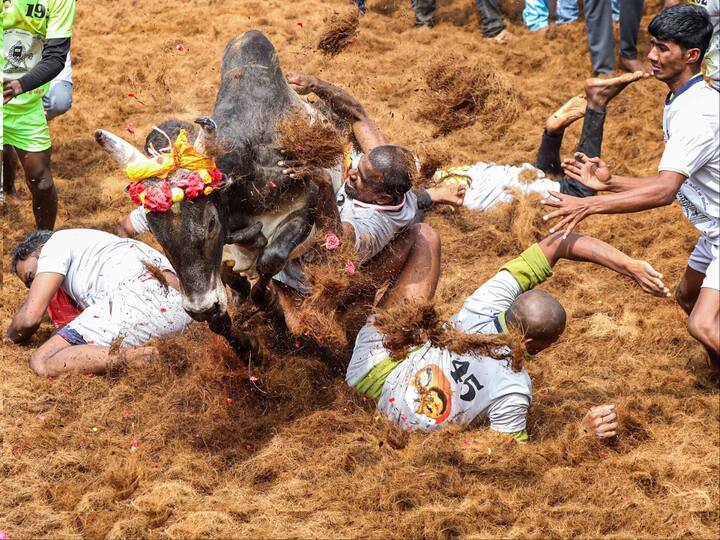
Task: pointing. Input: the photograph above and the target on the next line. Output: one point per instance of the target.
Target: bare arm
(342, 103)
(28, 318)
(653, 193)
(588, 249)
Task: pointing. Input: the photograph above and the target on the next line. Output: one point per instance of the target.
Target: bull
(261, 216)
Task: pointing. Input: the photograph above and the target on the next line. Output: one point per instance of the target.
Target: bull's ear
(207, 138)
(120, 150)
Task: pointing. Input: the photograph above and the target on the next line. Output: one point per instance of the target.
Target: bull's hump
(252, 50)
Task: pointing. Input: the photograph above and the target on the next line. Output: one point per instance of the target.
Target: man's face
(27, 269)
(668, 59)
(365, 183)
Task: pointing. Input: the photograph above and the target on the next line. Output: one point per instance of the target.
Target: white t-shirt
(712, 56)
(492, 184)
(691, 124)
(94, 262)
(66, 74)
(469, 387)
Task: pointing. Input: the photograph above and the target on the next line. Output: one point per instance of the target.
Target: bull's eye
(211, 224)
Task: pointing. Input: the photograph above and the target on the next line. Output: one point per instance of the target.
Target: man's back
(95, 262)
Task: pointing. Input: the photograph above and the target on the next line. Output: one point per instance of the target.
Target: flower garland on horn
(204, 178)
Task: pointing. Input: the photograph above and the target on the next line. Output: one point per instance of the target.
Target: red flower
(216, 178)
(332, 242)
(158, 199)
(135, 189)
(193, 185)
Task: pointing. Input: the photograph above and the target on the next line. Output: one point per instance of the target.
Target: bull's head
(190, 225)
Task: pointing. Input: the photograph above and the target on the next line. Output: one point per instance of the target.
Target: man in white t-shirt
(427, 387)
(689, 169)
(712, 56)
(491, 184)
(127, 293)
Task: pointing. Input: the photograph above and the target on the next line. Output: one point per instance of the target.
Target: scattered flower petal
(253, 378)
(229, 401)
(89, 375)
(350, 267)
(134, 445)
(466, 442)
(604, 453)
(4, 535)
(300, 24)
(163, 310)
(40, 416)
(248, 446)
(297, 343)
(180, 48)
(332, 242)
(130, 128)
(131, 94)
(272, 185)
(125, 413)
(391, 400)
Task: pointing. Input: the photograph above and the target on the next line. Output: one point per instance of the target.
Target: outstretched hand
(301, 83)
(592, 172)
(571, 209)
(601, 421)
(649, 279)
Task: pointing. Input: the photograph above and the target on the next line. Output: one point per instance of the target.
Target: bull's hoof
(247, 349)
(264, 296)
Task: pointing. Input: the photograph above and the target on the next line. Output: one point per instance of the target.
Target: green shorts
(27, 128)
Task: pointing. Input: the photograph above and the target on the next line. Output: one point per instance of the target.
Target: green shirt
(26, 25)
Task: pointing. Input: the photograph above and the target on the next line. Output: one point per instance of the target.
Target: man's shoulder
(696, 109)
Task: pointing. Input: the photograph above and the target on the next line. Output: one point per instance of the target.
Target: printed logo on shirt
(694, 214)
(430, 394)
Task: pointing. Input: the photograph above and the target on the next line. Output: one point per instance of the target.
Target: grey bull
(262, 215)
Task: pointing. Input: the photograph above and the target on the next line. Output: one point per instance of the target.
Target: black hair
(395, 163)
(172, 127)
(29, 245)
(687, 25)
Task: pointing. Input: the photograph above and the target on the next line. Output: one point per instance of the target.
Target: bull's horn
(120, 150)
(208, 134)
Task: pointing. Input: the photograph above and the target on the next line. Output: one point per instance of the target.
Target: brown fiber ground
(295, 454)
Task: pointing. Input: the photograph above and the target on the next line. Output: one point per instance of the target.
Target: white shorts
(139, 310)
(704, 259)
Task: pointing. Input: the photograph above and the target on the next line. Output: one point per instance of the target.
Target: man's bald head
(539, 316)
(395, 164)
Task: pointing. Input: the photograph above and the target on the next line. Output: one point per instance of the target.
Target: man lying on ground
(689, 168)
(431, 387)
(491, 184)
(126, 290)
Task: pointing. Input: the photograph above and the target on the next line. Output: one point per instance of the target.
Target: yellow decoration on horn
(208, 190)
(183, 156)
(178, 194)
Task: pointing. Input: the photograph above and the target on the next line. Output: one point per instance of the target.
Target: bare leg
(9, 165)
(704, 323)
(57, 356)
(688, 289)
(599, 92)
(39, 179)
(420, 274)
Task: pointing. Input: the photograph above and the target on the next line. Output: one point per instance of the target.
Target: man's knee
(39, 363)
(39, 179)
(704, 329)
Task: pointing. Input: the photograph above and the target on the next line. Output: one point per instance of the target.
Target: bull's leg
(239, 285)
(293, 231)
(244, 344)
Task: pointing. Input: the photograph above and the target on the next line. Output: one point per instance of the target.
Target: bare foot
(632, 64)
(504, 37)
(448, 193)
(572, 110)
(599, 92)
